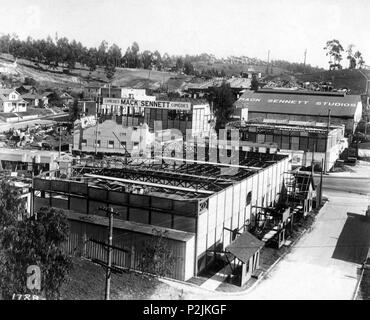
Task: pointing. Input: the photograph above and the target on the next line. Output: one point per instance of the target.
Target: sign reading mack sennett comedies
(173, 105)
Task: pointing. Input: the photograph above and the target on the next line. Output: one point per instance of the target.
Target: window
(123, 144)
(295, 143)
(321, 145)
(97, 143)
(110, 144)
(84, 142)
(249, 198)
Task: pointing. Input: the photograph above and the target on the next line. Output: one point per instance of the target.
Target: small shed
(246, 251)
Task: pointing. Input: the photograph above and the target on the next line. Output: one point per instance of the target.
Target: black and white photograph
(189, 154)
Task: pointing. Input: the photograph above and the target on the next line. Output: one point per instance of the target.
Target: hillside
(234, 69)
(149, 79)
(352, 79)
(80, 76)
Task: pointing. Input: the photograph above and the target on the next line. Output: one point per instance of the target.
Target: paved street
(312, 270)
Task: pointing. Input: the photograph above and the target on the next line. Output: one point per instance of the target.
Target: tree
(91, 59)
(166, 60)
(102, 53)
(135, 54)
(29, 81)
(222, 100)
(146, 58)
(158, 259)
(350, 57)
(334, 50)
(35, 241)
(74, 111)
(188, 68)
(254, 83)
(179, 64)
(114, 55)
(157, 60)
(41, 103)
(11, 206)
(359, 59)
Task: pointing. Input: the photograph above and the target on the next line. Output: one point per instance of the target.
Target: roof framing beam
(158, 185)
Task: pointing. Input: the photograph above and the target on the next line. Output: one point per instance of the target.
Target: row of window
(150, 114)
(288, 142)
(111, 144)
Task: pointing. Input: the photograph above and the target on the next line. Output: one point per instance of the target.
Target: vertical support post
(60, 140)
(109, 255)
(320, 201)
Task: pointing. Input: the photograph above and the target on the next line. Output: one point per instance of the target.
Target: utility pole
(110, 212)
(60, 140)
(326, 141)
(320, 195)
(96, 128)
(110, 247)
(268, 61)
(305, 55)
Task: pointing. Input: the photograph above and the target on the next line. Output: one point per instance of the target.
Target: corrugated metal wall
(81, 232)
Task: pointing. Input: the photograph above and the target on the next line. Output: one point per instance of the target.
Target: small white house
(11, 101)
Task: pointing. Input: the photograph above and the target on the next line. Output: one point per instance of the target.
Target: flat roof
(186, 181)
(287, 103)
(301, 92)
(42, 153)
(284, 125)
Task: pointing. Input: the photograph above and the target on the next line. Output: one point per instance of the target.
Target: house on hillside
(12, 101)
(24, 89)
(34, 100)
(47, 97)
(91, 92)
(66, 98)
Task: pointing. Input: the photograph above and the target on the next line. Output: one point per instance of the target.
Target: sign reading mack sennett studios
(173, 105)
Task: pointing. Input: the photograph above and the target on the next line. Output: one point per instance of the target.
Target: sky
(220, 27)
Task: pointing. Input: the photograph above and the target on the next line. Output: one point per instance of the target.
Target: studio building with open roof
(338, 108)
(199, 206)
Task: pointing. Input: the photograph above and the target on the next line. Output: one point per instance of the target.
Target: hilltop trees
(359, 59)
(334, 51)
(350, 57)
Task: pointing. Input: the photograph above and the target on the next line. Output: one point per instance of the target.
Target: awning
(245, 246)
